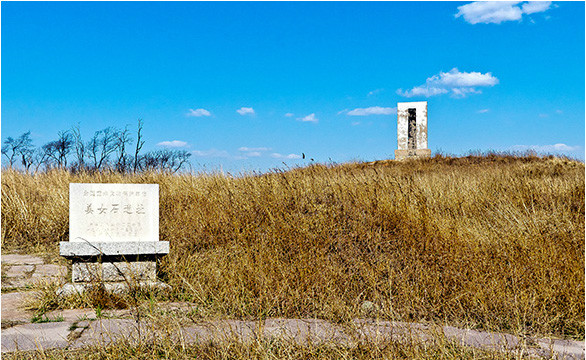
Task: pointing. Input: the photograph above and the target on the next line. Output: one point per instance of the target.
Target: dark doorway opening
(412, 130)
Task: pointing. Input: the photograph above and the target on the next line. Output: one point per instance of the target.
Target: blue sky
(250, 86)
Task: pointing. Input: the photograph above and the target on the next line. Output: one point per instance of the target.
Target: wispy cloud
(245, 111)
(252, 151)
(375, 91)
(290, 156)
(355, 123)
(309, 118)
(543, 115)
(495, 12)
(373, 110)
(289, 114)
(459, 84)
(211, 153)
(244, 148)
(545, 148)
(198, 112)
(173, 143)
(531, 7)
(483, 111)
(559, 112)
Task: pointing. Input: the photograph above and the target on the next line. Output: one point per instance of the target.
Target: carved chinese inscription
(114, 212)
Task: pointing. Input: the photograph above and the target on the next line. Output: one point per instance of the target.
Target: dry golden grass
(265, 349)
(494, 242)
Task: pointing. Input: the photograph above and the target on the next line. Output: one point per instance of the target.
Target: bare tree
(80, 148)
(164, 160)
(10, 150)
(18, 148)
(26, 150)
(27, 157)
(39, 158)
(101, 145)
(58, 150)
(122, 159)
(148, 161)
(178, 159)
(139, 144)
(95, 154)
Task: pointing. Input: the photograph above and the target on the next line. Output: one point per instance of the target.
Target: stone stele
(113, 236)
(412, 130)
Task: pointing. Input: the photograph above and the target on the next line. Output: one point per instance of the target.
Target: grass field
(493, 241)
(265, 350)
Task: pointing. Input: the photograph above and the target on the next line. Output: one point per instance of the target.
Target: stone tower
(412, 130)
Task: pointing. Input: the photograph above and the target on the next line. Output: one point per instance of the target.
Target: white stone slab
(77, 249)
(403, 124)
(113, 212)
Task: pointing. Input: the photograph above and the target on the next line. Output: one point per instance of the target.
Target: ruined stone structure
(412, 130)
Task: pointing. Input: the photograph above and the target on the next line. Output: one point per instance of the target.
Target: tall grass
(494, 242)
(265, 349)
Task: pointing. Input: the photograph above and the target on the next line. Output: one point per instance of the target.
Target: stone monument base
(110, 287)
(412, 154)
(115, 266)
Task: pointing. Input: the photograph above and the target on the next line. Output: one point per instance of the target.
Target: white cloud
(559, 112)
(422, 91)
(543, 115)
(459, 84)
(173, 144)
(545, 148)
(495, 12)
(373, 110)
(355, 123)
(290, 156)
(289, 114)
(483, 111)
(309, 118)
(244, 148)
(374, 92)
(531, 7)
(245, 110)
(198, 112)
(210, 153)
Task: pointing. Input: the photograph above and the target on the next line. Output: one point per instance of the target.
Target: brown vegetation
(266, 349)
(495, 242)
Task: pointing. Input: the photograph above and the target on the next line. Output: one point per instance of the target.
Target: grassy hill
(494, 242)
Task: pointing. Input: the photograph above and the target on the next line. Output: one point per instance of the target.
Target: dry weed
(493, 241)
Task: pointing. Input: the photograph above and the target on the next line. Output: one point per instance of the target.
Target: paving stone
(564, 349)
(304, 330)
(371, 330)
(12, 306)
(112, 287)
(19, 271)
(17, 282)
(484, 339)
(72, 315)
(76, 315)
(218, 331)
(35, 336)
(108, 331)
(16, 259)
(50, 270)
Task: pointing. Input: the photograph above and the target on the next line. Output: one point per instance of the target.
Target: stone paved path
(78, 328)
